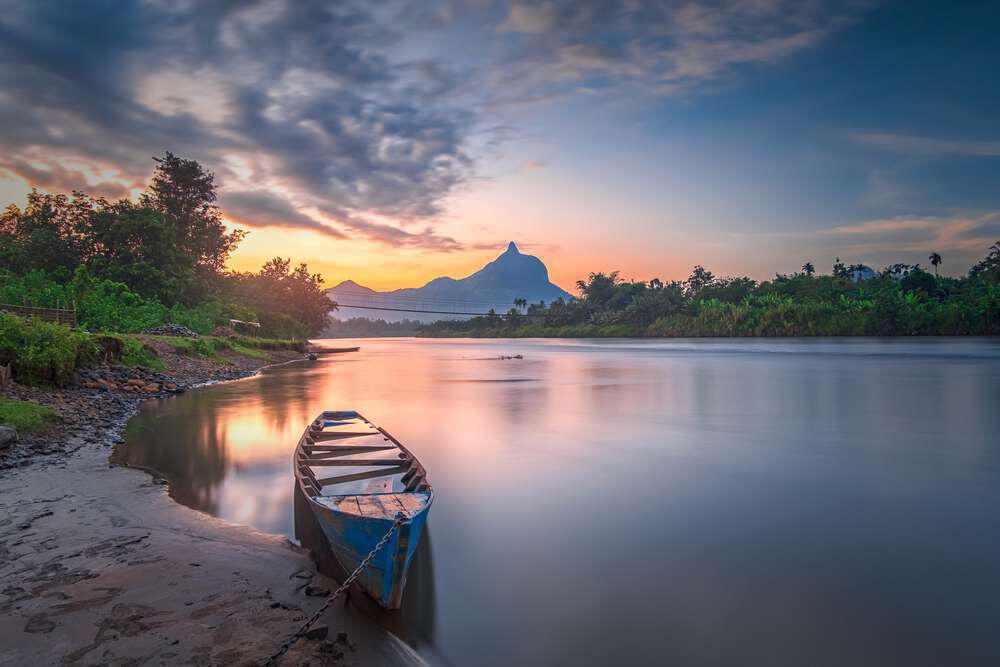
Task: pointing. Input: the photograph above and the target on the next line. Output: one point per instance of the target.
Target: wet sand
(99, 566)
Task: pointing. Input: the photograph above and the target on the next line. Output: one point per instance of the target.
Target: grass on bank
(25, 416)
(45, 353)
(210, 347)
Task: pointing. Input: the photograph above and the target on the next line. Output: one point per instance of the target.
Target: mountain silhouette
(512, 275)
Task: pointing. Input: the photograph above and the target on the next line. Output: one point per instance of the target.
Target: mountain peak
(511, 275)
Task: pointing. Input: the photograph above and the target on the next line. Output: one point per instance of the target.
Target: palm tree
(520, 303)
(935, 260)
(808, 268)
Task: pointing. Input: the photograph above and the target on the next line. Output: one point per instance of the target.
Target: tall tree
(184, 193)
(935, 259)
(808, 268)
(988, 268)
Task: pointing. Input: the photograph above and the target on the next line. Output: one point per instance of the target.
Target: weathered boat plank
(346, 449)
(358, 476)
(321, 462)
(333, 435)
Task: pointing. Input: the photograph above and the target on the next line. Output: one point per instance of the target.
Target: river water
(685, 502)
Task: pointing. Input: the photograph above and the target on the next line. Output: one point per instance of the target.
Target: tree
(988, 268)
(277, 289)
(840, 270)
(935, 260)
(598, 288)
(185, 194)
(46, 235)
(808, 269)
(520, 303)
(135, 245)
(699, 279)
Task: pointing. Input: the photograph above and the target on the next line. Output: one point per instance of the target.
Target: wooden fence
(60, 315)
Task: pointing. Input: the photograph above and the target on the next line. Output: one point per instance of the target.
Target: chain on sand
(288, 643)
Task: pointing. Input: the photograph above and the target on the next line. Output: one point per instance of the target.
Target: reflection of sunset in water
(653, 493)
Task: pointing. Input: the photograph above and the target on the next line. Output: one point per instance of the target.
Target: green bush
(42, 352)
(136, 353)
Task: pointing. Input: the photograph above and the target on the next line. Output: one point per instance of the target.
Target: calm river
(709, 502)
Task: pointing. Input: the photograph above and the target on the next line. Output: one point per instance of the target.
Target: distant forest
(127, 266)
(900, 300)
(363, 327)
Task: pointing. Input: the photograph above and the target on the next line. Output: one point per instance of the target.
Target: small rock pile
(121, 378)
(172, 330)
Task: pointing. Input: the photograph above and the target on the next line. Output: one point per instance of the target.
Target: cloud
(529, 17)
(522, 246)
(370, 113)
(264, 209)
(58, 177)
(299, 90)
(391, 235)
(653, 48)
(919, 233)
(914, 145)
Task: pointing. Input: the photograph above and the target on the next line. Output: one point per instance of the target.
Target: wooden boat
(333, 350)
(377, 480)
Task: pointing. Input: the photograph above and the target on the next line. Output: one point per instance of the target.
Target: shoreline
(99, 565)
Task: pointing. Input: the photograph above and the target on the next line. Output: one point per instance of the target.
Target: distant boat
(333, 350)
(378, 481)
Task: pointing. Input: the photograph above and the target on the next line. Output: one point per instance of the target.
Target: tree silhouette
(808, 268)
(935, 259)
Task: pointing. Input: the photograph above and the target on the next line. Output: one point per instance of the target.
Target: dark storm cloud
(658, 47)
(365, 111)
(263, 209)
(295, 92)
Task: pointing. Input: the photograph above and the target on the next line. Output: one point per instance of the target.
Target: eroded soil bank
(99, 566)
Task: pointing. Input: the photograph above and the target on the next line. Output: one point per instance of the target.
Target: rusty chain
(288, 643)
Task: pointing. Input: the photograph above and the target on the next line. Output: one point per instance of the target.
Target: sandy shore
(99, 566)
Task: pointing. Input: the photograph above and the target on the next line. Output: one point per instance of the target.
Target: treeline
(365, 327)
(129, 265)
(900, 300)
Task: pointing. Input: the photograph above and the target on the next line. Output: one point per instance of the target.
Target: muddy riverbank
(99, 566)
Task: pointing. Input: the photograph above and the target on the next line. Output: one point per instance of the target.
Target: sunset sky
(396, 144)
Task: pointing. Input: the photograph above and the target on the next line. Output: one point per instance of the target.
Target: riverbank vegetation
(46, 353)
(25, 416)
(900, 300)
(365, 327)
(126, 266)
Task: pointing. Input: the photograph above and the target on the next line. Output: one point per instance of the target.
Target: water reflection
(706, 502)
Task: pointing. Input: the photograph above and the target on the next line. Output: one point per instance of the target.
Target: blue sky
(394, 144)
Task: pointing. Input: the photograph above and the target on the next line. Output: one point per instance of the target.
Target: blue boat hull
(352, 537)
